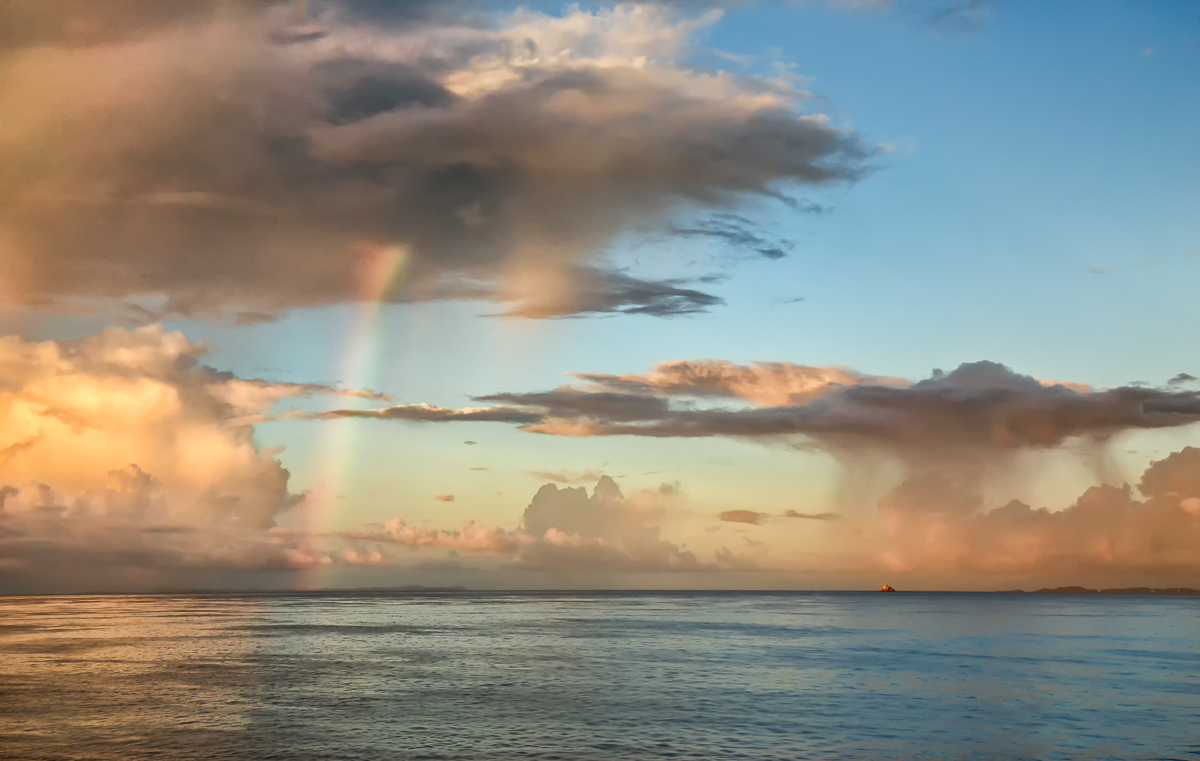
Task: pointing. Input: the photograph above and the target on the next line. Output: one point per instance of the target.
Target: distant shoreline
(1121, 591)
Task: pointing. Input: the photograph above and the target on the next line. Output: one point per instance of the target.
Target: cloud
(591, 291)
(743, 516)
(1178, 475)
(757, 519)
(217, 158)
(567, 476)
(764, 383)
(940, 440)
(933, 524)
(122, 450)
(425, 413)
(568, 530)
(472, 537)
(565, 531)
(812, 516)
(444, 498)
(738, 232)
(978, 407)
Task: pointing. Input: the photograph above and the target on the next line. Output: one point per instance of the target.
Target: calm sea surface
(600, 676)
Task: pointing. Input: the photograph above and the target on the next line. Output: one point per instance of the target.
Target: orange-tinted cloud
(767, 384)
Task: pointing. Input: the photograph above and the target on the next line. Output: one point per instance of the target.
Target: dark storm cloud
(221, 158)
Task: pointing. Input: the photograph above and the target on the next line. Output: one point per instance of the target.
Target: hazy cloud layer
(236, 158)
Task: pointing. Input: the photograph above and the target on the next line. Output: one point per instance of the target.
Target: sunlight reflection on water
(607, 676)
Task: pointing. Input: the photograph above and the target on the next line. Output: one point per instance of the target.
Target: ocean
(577, 676)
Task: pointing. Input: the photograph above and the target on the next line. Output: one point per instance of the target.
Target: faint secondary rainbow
(379, 271)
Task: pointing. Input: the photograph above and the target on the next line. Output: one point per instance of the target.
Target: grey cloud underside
(267, 178)
(979, 406)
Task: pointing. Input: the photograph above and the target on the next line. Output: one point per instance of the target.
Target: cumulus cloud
(122, 449)
(563, 530)
(236, 158)
(934, 524)
(605, 531)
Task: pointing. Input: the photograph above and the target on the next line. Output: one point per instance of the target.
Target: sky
(740, 295)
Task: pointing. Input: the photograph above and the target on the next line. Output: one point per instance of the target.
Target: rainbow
(378, 272)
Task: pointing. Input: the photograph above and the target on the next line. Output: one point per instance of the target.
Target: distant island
(1122, 591)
